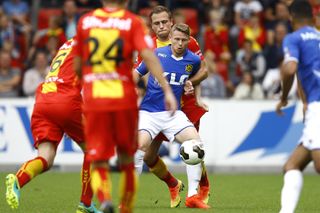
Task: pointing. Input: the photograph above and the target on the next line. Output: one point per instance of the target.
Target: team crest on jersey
(188, 68)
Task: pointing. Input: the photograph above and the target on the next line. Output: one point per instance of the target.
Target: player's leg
(28, 171)
(159, 169)
(204, 185)
(144, 140)
(316, 159)
(73, 127)
(293, 179)
(149, 126)
(46, 135)
(100, 147)
(194, 172)
(86, 205)
(126, 123)
(128, 182)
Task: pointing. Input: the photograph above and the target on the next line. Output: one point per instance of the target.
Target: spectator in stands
(13, 41)
(88, 3)
(48, 39)
(41, 37)
(70, 18)
(250, 61)
(52, 47)
(281, 14)
(9, 77)
(216, 40)
(254, 32)
(244, 10)
(248, 88)
(274, 55)
(7, 31)
(18, 10)
(213, 86)
(317, 20)
(178, 17)
(226, 9)
(35, 75)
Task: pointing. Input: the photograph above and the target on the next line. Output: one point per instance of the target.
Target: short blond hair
(184, 28)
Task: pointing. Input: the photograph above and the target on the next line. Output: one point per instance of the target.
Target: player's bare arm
(201, 74)
(199, 102)
(77, 66)
(156, 70)
(303, 98)
(287, 73)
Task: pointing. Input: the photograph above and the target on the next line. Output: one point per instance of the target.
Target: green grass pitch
(56, 192)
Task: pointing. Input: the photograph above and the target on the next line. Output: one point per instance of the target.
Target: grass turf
(56, 192)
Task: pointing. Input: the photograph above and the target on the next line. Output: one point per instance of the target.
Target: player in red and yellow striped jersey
(57, 110)
(106, 39)
(161, 22)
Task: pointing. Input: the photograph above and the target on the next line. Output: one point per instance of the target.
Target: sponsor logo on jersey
(67, 45)
(310, 36)
(162, 55)
(188, 68)
(111, 23)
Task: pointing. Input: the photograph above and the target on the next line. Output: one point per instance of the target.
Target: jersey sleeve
(141, 39)
(142, 69)
(137, 61)
(196, 67)
(195, 48)
(291, 48)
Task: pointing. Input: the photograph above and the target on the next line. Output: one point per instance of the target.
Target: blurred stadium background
(241, 41)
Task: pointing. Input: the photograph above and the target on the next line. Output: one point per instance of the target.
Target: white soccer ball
(192, 152)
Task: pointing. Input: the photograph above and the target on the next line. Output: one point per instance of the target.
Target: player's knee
(144, 141)
(290, 166)
(317, 167)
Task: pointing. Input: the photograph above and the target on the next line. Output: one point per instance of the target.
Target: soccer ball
(192, 152)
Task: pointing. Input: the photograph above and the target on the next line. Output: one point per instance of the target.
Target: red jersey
(188, 102)
(105, 42)
(61, 84)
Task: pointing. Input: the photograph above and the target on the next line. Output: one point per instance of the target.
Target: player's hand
(188, 88)
(281, 104)
(202, 105)
(170, 102)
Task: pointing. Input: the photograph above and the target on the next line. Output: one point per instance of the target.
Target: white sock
(194, 176)
(138, 161)
(293, 181)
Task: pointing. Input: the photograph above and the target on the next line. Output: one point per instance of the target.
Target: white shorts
(310, 138)
(156, 122)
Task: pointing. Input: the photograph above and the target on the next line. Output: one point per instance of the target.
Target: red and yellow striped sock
(204, 176)
(31, 169)
(128, 187)
(101, 184)
(86, 193)
(162, 172)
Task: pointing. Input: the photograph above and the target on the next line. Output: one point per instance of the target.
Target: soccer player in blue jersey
(302, 57)
(179, 63)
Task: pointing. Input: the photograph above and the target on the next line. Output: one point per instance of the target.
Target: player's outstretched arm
(287, 74)
(200, 75)
(156, 70)
(199, 102)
